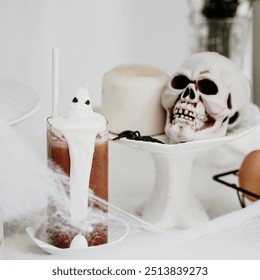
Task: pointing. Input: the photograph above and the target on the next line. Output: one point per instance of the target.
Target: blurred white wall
(256, 52)
(93, 36)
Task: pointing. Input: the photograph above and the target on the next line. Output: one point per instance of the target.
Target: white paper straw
(55, 81)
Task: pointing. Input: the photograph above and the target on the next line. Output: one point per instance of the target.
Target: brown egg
(249, 174)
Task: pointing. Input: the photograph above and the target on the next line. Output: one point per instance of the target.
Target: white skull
(204, 98)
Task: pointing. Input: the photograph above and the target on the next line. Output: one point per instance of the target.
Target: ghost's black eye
(180, 82)
(75, 100)
(87, 102)
(207, 87)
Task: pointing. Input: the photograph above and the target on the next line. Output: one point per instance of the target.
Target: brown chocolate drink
(62, 233)
(58, 154)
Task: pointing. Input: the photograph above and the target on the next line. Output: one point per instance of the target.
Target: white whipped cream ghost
(80, 106)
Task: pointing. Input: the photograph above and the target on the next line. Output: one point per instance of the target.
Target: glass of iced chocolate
(77, 145)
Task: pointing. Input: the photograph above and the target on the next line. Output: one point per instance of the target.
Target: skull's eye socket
(207, 87)
(180, 82)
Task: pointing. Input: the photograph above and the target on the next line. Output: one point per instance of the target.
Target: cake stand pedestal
(172, 203)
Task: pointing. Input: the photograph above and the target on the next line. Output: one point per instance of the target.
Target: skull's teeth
(184, 114)
(183, 117)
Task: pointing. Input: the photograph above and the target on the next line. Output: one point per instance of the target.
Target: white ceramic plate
(249, 123)
(17, 101)
(118, 230)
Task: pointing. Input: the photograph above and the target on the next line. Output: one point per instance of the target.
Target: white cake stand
(172, 203)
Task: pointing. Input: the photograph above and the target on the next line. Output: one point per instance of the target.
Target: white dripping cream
(80, 127)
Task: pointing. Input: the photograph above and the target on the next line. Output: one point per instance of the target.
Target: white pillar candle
(1, 236)
(131, 99)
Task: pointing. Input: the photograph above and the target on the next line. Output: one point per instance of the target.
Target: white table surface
(232, 233)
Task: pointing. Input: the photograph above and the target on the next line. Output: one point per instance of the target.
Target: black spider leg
(129, 134)
(150, 139)
(136, 135)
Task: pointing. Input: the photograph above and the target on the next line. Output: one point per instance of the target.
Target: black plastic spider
(136, 135)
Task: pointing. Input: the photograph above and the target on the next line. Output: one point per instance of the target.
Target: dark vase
(226, 34)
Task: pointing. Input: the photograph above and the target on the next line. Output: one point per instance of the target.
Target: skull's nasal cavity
(189, 92)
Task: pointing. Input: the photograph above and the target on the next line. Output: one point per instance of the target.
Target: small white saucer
(117, 231)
